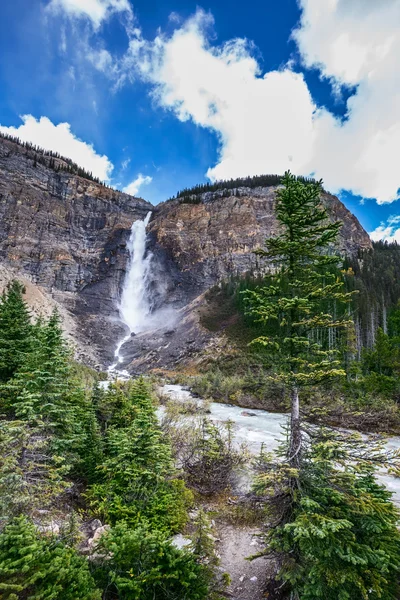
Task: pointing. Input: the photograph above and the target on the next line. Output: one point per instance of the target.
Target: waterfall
(134, 307)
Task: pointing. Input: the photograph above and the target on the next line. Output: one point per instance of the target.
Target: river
(256, 427)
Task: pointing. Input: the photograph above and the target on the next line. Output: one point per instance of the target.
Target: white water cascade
(134, 305)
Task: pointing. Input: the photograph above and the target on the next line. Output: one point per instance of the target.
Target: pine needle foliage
(138, 480)
(146, 566)
(15, 330)
(34, 567)
(341, 540)
(301, 296)
(301, 288)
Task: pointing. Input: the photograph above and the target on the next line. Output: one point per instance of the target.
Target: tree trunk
(295, 430)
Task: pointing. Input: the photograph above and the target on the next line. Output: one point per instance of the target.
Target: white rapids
(258, 428)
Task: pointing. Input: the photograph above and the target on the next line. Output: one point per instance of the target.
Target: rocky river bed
(256, 428)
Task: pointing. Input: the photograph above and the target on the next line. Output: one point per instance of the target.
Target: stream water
(252, 427)
(257, 427)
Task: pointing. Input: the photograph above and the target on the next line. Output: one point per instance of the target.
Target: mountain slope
(67, 234)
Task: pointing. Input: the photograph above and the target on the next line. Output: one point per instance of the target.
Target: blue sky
(157, 96)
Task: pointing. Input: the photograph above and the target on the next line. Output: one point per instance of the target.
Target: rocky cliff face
(202, 242)
(197, 244)
(68, 235)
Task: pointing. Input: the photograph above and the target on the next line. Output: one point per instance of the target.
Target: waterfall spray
(134, 306)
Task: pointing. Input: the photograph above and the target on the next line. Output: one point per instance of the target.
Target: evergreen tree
(31, 474)
(146, 566)
(44, 391)
(383, 358)
(341, 541)
(38, 568)
(49, 436)
(138, 478)
(300, 299)
(15, 330)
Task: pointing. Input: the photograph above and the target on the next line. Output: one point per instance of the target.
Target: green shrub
(33, 567)
(337, 535)
(144, 565)
(137, 476)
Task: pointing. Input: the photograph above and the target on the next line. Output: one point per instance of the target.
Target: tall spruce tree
(15, 330)
(301, 296)
(49, 435)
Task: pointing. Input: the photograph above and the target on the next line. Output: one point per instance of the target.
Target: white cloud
(264, 123)
(96, 10)
(356, 42)
(101, 59)
(133, 187)
(59, 138)
(269, 123)
(125, 163)
(389, 231)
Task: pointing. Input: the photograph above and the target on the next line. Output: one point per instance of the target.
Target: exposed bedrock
(68, 236)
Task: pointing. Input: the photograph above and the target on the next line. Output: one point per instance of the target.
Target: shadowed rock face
(200, 244)
(196, 245)
(68, 236)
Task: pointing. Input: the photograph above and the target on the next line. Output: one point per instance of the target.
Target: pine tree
(383, 358)
(31, 474)
(300, 296)
(48, 437)
(146, 566)
(44, 390)
(341, 541)
(15, 330)
(137, 476)
(38, 568)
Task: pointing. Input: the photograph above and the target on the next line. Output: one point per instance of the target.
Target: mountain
(66, 234)
(213, 235)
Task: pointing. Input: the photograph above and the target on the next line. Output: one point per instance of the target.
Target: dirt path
(248, 578)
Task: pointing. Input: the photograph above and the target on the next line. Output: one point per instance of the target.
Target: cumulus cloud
(269, 122)
(264, 123)
(60, 138)
(389, 231)
(356, 42)
(133, 187)
(95, 10)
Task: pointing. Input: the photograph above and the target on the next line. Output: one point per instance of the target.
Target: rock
(201, 244)
(254, 579)
(246, 413)
(51, 527)
(95, 524)
(64, 234)
(100, 531)
(180, 541)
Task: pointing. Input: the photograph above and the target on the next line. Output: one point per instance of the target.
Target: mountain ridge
(68, 235)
